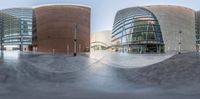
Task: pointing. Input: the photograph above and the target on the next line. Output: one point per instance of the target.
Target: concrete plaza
(99, 75)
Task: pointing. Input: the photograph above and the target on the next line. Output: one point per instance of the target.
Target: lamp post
(75, 39)
(180, 32)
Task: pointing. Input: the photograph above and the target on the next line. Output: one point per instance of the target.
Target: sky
(103, 11)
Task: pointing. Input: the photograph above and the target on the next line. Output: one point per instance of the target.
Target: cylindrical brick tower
(54, 27)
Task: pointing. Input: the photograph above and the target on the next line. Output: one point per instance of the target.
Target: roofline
(57, 4)
(174, 5)
(129, 8)
(16, 8)
(150, 5)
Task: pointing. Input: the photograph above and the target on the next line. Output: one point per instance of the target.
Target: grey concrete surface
(46, 76)
(125, 60)
(171, 21)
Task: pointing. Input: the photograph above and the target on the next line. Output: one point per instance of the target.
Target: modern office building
(58, 27)
(16, 28)
(100, 40)
(154, 29)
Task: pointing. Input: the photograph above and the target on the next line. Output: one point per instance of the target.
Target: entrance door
(151, 49)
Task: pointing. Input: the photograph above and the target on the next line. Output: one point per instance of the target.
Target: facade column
(1, 31)
(2, 47)
(21, 35)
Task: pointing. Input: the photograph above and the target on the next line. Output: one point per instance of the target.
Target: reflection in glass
(137, 30)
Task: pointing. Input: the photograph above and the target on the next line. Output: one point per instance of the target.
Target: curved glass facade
(137, 30)
(16, 26)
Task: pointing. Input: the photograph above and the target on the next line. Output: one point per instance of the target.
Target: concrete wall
(173, 19)
(55, 26)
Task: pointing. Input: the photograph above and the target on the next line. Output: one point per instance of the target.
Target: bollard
(53, 51)
(67, 49)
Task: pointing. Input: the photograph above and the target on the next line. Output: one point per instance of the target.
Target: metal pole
(21, 34)
(75, 39)
(179, 42)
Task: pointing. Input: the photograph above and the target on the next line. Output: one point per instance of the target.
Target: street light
(75, 38)
(180, 32)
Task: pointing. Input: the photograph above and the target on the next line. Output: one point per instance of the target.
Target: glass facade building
(16, 26)
(136, 30)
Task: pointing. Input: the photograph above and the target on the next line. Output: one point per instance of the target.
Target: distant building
(16, 28)
(100, 40)
(154, 29)
(54, 28)
(198, 29)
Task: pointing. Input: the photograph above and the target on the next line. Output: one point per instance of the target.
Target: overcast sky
(103, 11)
